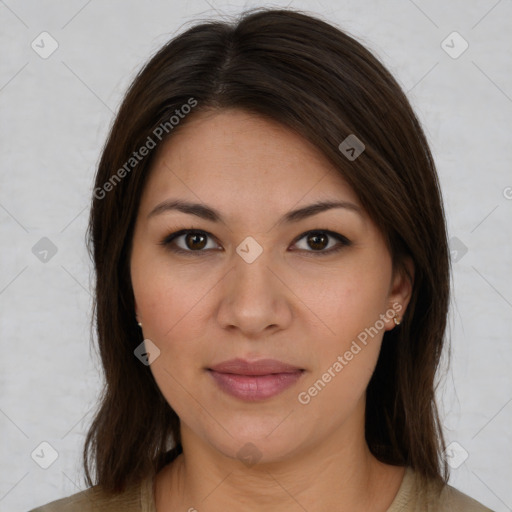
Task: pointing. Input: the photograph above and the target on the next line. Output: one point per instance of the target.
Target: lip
(254, 380)
(259, 367)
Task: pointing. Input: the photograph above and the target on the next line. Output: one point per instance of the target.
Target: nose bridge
(254, 297)
(252, 276)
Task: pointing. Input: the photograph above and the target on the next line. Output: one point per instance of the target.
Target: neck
(333, 476)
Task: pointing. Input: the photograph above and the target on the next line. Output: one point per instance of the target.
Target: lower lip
(255, 387)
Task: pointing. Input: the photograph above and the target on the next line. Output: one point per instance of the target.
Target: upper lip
(260, 367)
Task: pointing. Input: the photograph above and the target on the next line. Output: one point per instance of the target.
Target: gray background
(55, 114)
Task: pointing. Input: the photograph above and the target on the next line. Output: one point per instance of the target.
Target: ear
(400, 290)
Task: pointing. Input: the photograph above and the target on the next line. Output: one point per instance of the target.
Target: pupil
(315, 238)
(193, 237)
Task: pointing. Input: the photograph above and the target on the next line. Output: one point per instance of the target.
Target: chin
(258, 447)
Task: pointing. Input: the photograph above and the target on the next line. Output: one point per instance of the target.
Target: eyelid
(342, 240)
(168, 239)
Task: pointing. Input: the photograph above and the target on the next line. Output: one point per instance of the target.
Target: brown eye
(189, 241)
(318, 241)
(195, 241)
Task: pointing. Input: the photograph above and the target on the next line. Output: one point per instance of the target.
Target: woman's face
(256, 285)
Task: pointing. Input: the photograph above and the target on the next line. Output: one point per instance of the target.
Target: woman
(272, 282)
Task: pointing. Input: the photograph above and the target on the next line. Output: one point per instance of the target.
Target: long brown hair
(317, 80)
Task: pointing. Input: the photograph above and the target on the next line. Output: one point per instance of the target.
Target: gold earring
(396, 320)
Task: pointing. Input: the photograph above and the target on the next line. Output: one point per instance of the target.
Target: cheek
(172, 319)
(345, 303)
(347, 355)
(170, 311)
(349, 306)
(168, 299)
(174, 307)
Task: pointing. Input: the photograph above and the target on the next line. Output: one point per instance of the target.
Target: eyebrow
(211, 214)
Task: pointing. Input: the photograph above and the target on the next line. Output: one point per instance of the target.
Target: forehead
(234, 157)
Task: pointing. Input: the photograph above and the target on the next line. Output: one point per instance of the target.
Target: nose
(255, 299)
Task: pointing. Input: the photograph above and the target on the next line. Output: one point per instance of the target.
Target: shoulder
(419, 496)
(134, 498)
(452, 499)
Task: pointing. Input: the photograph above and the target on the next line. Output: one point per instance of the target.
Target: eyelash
(168, 240)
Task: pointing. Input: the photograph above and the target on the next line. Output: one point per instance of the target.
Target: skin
(292, 304)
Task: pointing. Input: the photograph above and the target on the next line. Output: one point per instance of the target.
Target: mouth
(254, 381)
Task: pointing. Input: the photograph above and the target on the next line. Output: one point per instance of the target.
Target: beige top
(411, 497)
